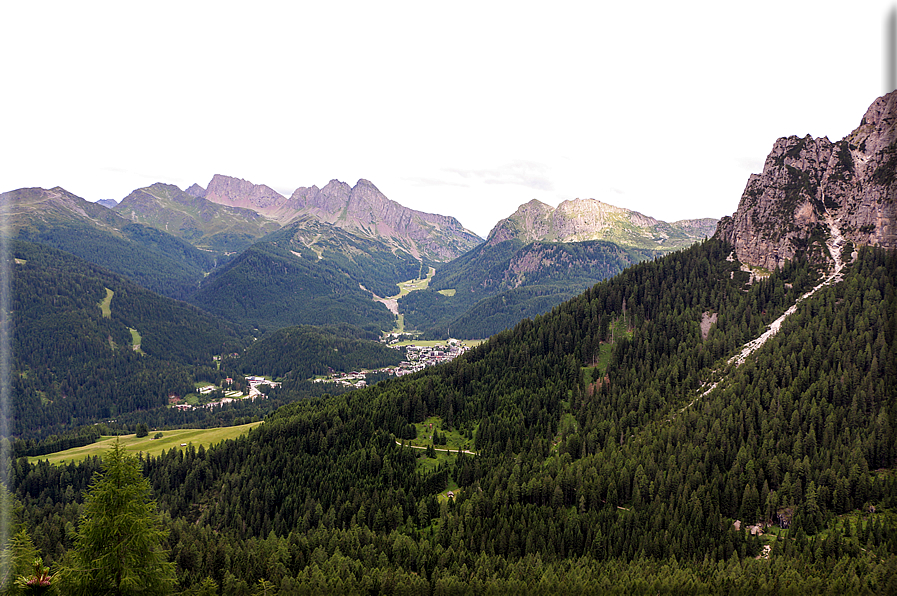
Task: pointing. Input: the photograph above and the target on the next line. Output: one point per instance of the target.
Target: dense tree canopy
(602, 462)
(118, 548)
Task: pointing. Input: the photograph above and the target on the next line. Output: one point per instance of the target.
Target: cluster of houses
(420, 357)
(229, 396)
(416, 358)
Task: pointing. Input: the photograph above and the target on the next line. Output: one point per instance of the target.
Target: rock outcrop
(361, 209)
(783, 210)
(196, 190)
(236, 192)
(582, 220)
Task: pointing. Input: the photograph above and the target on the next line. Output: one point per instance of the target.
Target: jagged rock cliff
(361, 209)
(582, 220)
(854, 181)
(236, 192)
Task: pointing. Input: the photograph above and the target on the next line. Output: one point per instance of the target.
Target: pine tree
(118, 546)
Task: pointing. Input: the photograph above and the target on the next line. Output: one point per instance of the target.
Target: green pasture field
(406, 287)
(135, 340)
(171, 439)
(106, 304)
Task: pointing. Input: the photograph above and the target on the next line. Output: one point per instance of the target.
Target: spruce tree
(118, 547)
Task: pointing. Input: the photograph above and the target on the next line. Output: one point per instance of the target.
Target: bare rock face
(364, 209)
(236, 192)
(197, 191)
(854, 181)
(581, 220)
(361, 209)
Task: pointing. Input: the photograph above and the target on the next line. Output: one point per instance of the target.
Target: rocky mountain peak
(365, 210)
(236, 192)
(805, 180)
(581, 220)
(196, 190)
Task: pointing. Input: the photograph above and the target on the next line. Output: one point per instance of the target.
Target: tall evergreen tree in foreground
(118, 547)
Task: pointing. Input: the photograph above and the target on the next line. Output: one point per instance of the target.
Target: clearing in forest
(106, 304)
(135, 340)
(171, 439)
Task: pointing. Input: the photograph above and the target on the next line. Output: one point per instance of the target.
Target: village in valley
(210, 396)
(417, 357)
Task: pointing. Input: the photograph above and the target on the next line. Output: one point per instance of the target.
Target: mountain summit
(582, 220)
(806, 182)
(361, 209)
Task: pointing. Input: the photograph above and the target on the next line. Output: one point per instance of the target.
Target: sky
(467, 109)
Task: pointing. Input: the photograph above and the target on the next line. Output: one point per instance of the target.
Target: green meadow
(170, 439)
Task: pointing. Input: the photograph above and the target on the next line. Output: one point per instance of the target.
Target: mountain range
(361, 209)
(719, 419)
(247, 253)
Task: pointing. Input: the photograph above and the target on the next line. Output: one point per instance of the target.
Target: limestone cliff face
(361, 209)
(581, 220)
(854, 181)
(236, 192)
(366, 210)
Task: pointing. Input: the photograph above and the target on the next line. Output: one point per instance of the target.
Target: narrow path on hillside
(834, 244)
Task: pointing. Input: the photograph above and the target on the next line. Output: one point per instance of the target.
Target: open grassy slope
(148, 445)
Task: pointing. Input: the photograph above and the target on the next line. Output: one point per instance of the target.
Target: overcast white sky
(463, 108)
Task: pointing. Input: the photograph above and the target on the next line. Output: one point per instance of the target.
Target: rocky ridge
(361, 209)
(236, 192)
(583, 220)
(203, 223)
(807, 182)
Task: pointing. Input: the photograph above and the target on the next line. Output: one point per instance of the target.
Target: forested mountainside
(305, 351)
(220, 229)
(89, 344)
(603, 459)
(495, 286)
(149, 257)
(537, 258)
(308, 273)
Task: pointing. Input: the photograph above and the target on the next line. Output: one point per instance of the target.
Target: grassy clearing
(602, 358)
(106, 304)
(454, 439)
(406, 287)
(450, 292)
(593, 373)
(451, 486)
(171, 439)
(425, 464)
(135, 340)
